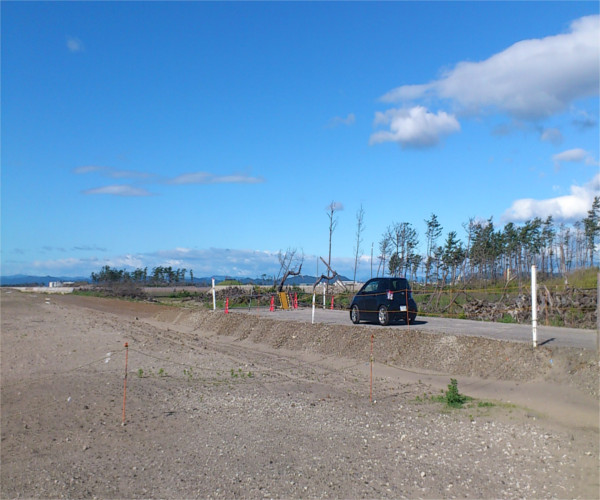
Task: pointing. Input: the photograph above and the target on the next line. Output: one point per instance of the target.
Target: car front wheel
(382, 316)
(355, 314)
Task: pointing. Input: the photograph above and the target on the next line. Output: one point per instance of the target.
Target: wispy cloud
(208, 178)
(336, 206)
(47, 248)
(562, 208)
(183, 179)
(70, 264)
(89, 248)
(414, 127)
(204, 262)
(584, 120)
(339, 120)
(552, 135)
(112, 172)
(576, 155)
(85, 266)
(119, 190)
(74, 44)
(531, 79)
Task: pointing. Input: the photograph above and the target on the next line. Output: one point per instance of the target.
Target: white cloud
(531, 79)
(218, 261)
(208, 178)
(74, 44)
(414, 127)
(119, 190)
(563, 208)
(576, 155)
(126, 261)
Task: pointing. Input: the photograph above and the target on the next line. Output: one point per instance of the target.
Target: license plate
(402, 308)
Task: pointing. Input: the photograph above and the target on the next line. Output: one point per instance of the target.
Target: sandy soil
(236, 406)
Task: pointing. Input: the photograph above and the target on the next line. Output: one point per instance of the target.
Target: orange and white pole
(125, 382)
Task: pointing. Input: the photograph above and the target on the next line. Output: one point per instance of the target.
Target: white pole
(214, 296)
(313, 309)
(534, 305)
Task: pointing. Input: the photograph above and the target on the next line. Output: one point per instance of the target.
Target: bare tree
(332, 208)
(360, 227)
(289, 265)
(385, 245)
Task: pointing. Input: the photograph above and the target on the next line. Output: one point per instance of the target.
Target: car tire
(412, 318)
(355, 314)
(383, 316)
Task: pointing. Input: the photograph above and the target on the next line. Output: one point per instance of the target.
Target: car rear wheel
(382, 316)
(412, 318)
(355, 314)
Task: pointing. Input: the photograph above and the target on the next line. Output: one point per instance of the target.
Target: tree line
(159, 275)
(487, 253)
(490, 252)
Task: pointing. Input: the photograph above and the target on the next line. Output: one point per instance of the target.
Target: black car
(384, 300)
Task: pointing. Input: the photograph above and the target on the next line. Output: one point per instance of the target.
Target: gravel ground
(235, 406)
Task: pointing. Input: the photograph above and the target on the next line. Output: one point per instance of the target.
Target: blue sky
(209, 136)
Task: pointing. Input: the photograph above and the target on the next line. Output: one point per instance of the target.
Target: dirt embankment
(447, 354)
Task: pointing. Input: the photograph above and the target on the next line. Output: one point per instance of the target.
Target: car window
(371, 287)
(400, 285)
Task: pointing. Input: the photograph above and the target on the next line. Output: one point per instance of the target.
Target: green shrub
(454, 398)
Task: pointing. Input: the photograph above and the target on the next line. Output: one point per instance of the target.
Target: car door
(367, 299)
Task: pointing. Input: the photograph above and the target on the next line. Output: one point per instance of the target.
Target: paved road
(546, 335)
